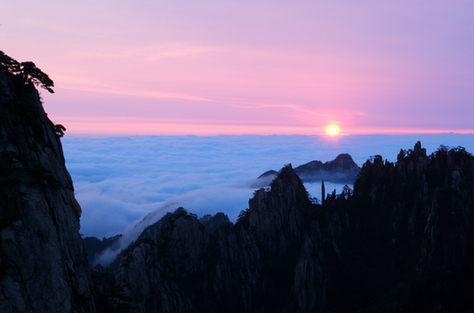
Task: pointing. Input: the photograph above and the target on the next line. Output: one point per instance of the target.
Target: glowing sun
(332, 130)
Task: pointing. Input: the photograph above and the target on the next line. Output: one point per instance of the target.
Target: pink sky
(249, 67)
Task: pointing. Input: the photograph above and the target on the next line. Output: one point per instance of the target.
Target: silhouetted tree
(12, 65)
(29, 71)
(33, 74)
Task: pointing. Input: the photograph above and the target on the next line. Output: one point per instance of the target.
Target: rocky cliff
(403, 241)
(183, 264)
(411, 242)
(43, 266)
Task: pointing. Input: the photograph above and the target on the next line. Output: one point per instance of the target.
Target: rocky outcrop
(222, 267)
(402, 241)
(95, 247)
(341, 170)
(43, 266)
(411, 242)
(212, 223)
(150, 273)
(277, 217)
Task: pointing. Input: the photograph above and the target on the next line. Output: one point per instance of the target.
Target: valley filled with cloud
(120, 180)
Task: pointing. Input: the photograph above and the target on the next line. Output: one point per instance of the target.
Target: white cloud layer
(119, 180)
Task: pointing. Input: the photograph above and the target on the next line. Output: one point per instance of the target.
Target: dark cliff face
(43, 266)
(181, 264)
(412, 233)
(277, 217)
(403, 241)
(94, 246)
(149, 270)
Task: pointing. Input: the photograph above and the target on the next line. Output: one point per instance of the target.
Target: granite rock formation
(223, 267)
(342, 169)
(43, 266)
(411, 242)
(403, 241)
(95, 247)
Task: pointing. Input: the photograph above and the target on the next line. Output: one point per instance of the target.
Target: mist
(120, 180)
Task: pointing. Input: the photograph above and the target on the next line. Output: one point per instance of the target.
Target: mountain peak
(341, 170)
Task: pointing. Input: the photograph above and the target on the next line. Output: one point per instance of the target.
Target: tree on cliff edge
(28, 70)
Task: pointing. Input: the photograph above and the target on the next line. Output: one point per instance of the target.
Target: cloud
(120, 90)
(119, 180)
(207, 200)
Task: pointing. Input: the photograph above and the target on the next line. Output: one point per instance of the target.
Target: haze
(120, 180)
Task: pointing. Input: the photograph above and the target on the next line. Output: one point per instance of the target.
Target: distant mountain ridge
(341, 170)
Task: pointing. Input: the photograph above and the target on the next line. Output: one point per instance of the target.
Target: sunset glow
(244, 67)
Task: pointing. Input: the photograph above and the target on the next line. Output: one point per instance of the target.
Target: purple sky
(249, 67)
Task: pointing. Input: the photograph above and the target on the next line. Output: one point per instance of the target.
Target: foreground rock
(43, 266)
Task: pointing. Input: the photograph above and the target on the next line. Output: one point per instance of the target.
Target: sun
(332, 130)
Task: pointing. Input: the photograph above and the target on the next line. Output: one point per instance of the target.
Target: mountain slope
(411, 243)
(402, 241)
(43, 266)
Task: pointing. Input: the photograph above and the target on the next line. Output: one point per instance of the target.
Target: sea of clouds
(120, 180)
